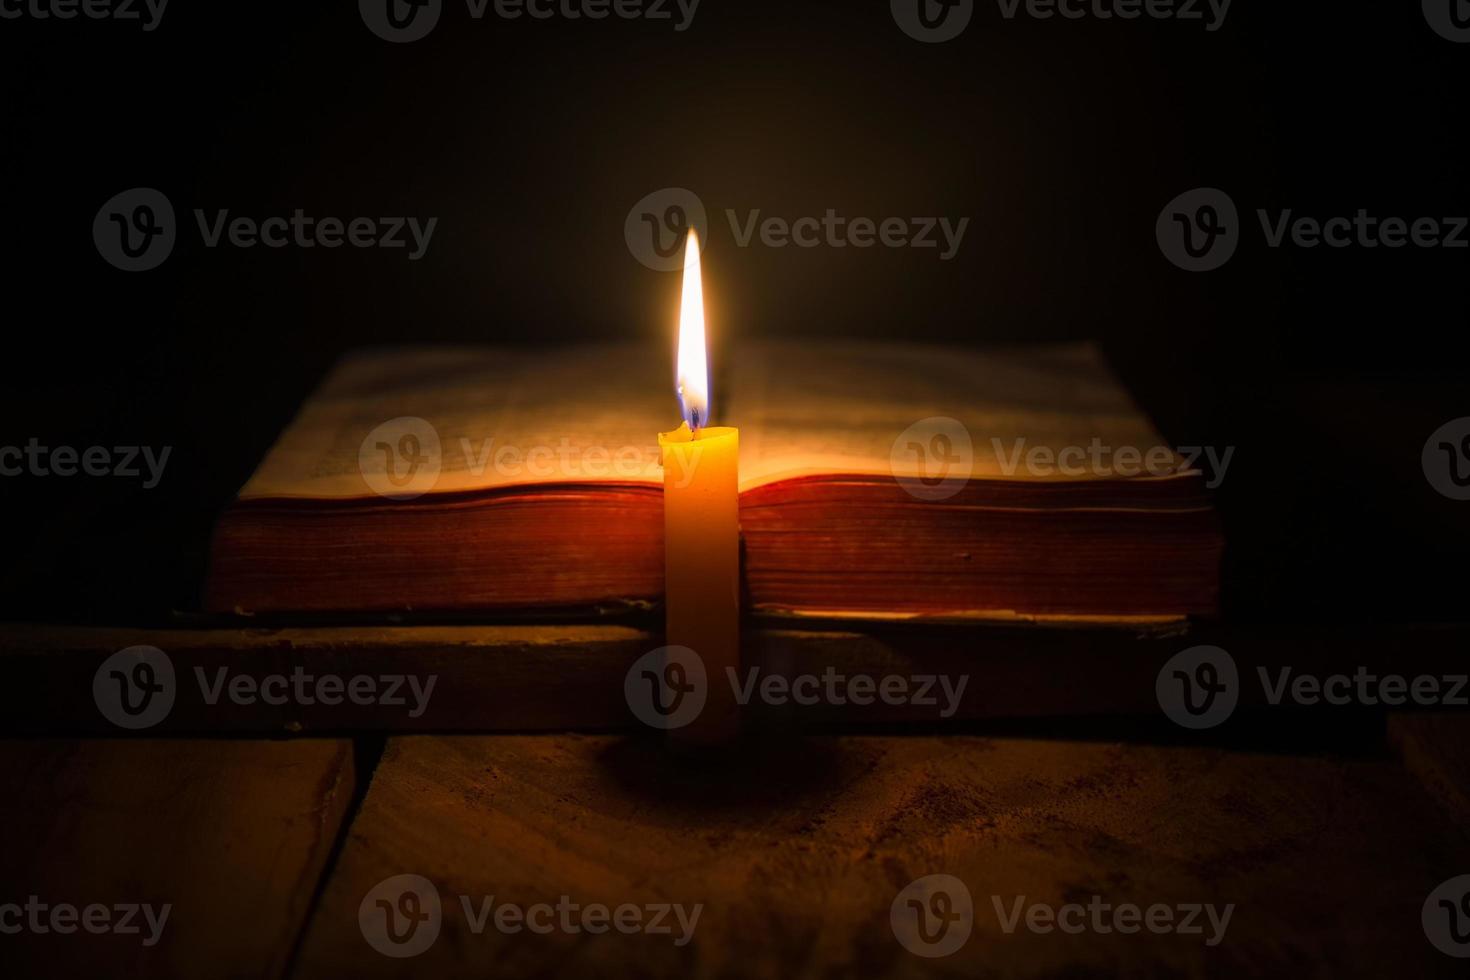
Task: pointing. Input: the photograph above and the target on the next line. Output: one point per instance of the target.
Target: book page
(474, 418)
(876, 409)
(403, 422)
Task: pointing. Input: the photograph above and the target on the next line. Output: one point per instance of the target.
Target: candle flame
(692, 377)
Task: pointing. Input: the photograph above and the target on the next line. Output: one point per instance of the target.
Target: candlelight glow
(692, 377)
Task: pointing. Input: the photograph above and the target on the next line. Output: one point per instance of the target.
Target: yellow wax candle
(702, 524)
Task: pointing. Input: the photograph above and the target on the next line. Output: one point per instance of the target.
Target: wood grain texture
(233, 835)
(797, 851)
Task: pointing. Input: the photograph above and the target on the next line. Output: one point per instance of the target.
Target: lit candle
(702, 522)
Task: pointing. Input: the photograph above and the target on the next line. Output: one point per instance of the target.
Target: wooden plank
(231, 836)
(495, 678)
(1435, 747)
(798, 851)
(527, 678)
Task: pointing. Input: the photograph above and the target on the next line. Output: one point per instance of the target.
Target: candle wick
(694, 419)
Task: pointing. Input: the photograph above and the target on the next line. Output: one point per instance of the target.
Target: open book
(876, 480)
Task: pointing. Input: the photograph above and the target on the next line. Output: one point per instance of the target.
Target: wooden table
(1327, 839)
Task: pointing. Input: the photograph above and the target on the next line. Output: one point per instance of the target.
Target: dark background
(530, 141)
